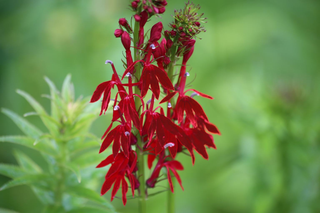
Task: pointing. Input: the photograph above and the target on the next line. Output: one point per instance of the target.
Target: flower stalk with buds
(176, 125)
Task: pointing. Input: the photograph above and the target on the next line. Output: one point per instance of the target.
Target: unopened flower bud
(155, 9)
(125, 39)
(162, 10)
(183, 34)
(169, 43)
(137, 17)
(180, 28)
(166, 60)
(197, 23)
(134, 4)
(173, 33)
(118, 33)
(123, 22)
(174, 26)
(155, 33)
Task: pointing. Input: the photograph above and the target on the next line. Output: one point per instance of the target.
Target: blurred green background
(260, 60)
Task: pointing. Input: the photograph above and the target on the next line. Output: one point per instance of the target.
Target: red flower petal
(115, 188)
(162, 77)
(168, 97)
(106, 161)
(124, 191)
(98, 92)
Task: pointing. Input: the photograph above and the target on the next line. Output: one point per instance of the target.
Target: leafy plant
(67, 148)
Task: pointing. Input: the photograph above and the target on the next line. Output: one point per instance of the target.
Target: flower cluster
(176, 125)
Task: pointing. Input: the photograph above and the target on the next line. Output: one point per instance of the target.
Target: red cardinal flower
(105, 89)
(151, 76)
(172, 166)
(165, 129)
(121, 167)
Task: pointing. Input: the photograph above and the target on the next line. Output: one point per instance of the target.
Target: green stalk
(139, 149)
(61, 176)
(170, 197)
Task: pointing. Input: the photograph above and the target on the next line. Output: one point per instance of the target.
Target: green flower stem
(139, 149)
(61, 175)
(170, 197)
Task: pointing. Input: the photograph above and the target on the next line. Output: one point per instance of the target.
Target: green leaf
(55, 100)
(52, 127)
(89, 194)
(88, 159)
(45, 197)
(23, 124)
(33, 179)
(11, 171)
(67, 90)
(26, 163)
(83, 123)
(89, 209)
(75, 169)
(29, 142)
(7, 211)
(76, 146)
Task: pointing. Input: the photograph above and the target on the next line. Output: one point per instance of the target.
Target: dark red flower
(172, 166)
(118, 33)
(166, 131)
(121, 167)
(151, 76)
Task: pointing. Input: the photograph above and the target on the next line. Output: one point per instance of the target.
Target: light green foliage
(67, 148)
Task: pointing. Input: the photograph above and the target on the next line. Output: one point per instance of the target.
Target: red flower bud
(118, 33)
(155, 9)
(173, 33)
(134, 4)
(180, 28)
(166, 33)
(173, 26)
(123, 22)
(137, 17)
(162, 10)
(164, 3)
(125, 39)
(169, 43)
(150, 10)
(183, 34)
(166, 60)
(197, 23)
(190, 30)
(155, 33)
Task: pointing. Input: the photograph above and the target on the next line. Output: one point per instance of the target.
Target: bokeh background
(260, 60)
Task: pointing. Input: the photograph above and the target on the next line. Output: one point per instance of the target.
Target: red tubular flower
(155, 33)
(166, 131)
(103, 88)
(121, 167)
(172, 166)
(120, 136)
(126, 41)
(143, 20)
(151, 75)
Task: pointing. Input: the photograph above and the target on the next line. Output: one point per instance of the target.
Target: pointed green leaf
(7, 211)
(75, 169)
(52, 127)
(55, 100)
(33, 179)
(45, 197)
(26, 163)
(88, 194)
(29, 142)
(67, 91)
(90, 158)
(89, 209)
(81, 146)
(11, 171)
(23, 124)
